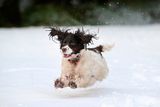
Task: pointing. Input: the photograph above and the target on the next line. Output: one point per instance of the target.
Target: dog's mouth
(71, 56)
(67, 55)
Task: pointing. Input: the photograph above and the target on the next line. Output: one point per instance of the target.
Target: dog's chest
(69, 66)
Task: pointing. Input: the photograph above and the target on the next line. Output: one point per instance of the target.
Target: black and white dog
(81, 66)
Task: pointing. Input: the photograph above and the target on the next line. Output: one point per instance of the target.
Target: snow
(30, 62)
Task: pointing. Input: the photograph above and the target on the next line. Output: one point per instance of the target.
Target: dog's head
(71, 43)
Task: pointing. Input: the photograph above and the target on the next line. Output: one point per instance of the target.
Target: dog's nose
(64, 49)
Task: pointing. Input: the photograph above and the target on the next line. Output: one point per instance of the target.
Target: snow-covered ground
(30, 62)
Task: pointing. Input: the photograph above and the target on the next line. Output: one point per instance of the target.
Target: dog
(81, 66)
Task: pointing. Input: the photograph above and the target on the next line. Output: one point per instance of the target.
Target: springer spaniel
(81, 66)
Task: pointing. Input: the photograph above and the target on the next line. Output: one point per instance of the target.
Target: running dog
(81, 66)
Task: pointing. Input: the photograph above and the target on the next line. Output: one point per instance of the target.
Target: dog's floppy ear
(61, 34)
(85, 38)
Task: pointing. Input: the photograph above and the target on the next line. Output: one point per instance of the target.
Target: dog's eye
(64, 43)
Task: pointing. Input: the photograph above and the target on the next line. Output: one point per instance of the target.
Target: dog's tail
(107, 47)
(102, 48)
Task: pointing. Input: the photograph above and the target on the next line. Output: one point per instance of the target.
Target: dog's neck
(75, 59)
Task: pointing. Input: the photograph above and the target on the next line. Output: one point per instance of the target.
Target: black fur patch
(61, 34)
(98, 49)
(77, 40)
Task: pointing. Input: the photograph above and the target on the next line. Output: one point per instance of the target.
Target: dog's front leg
(69, 81)
(72, 83)
(58, 83)
(66, 80)
(63, 81)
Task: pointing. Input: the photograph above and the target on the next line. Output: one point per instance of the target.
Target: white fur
(108, 47)
(68, 50)
(90, 68)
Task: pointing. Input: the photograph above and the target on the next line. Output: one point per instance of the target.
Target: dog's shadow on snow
(88, 92)
(101, 92)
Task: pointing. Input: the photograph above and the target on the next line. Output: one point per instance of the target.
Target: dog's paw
(72, 84)
(58, 84)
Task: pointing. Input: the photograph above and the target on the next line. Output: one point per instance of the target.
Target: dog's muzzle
(74, 59)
